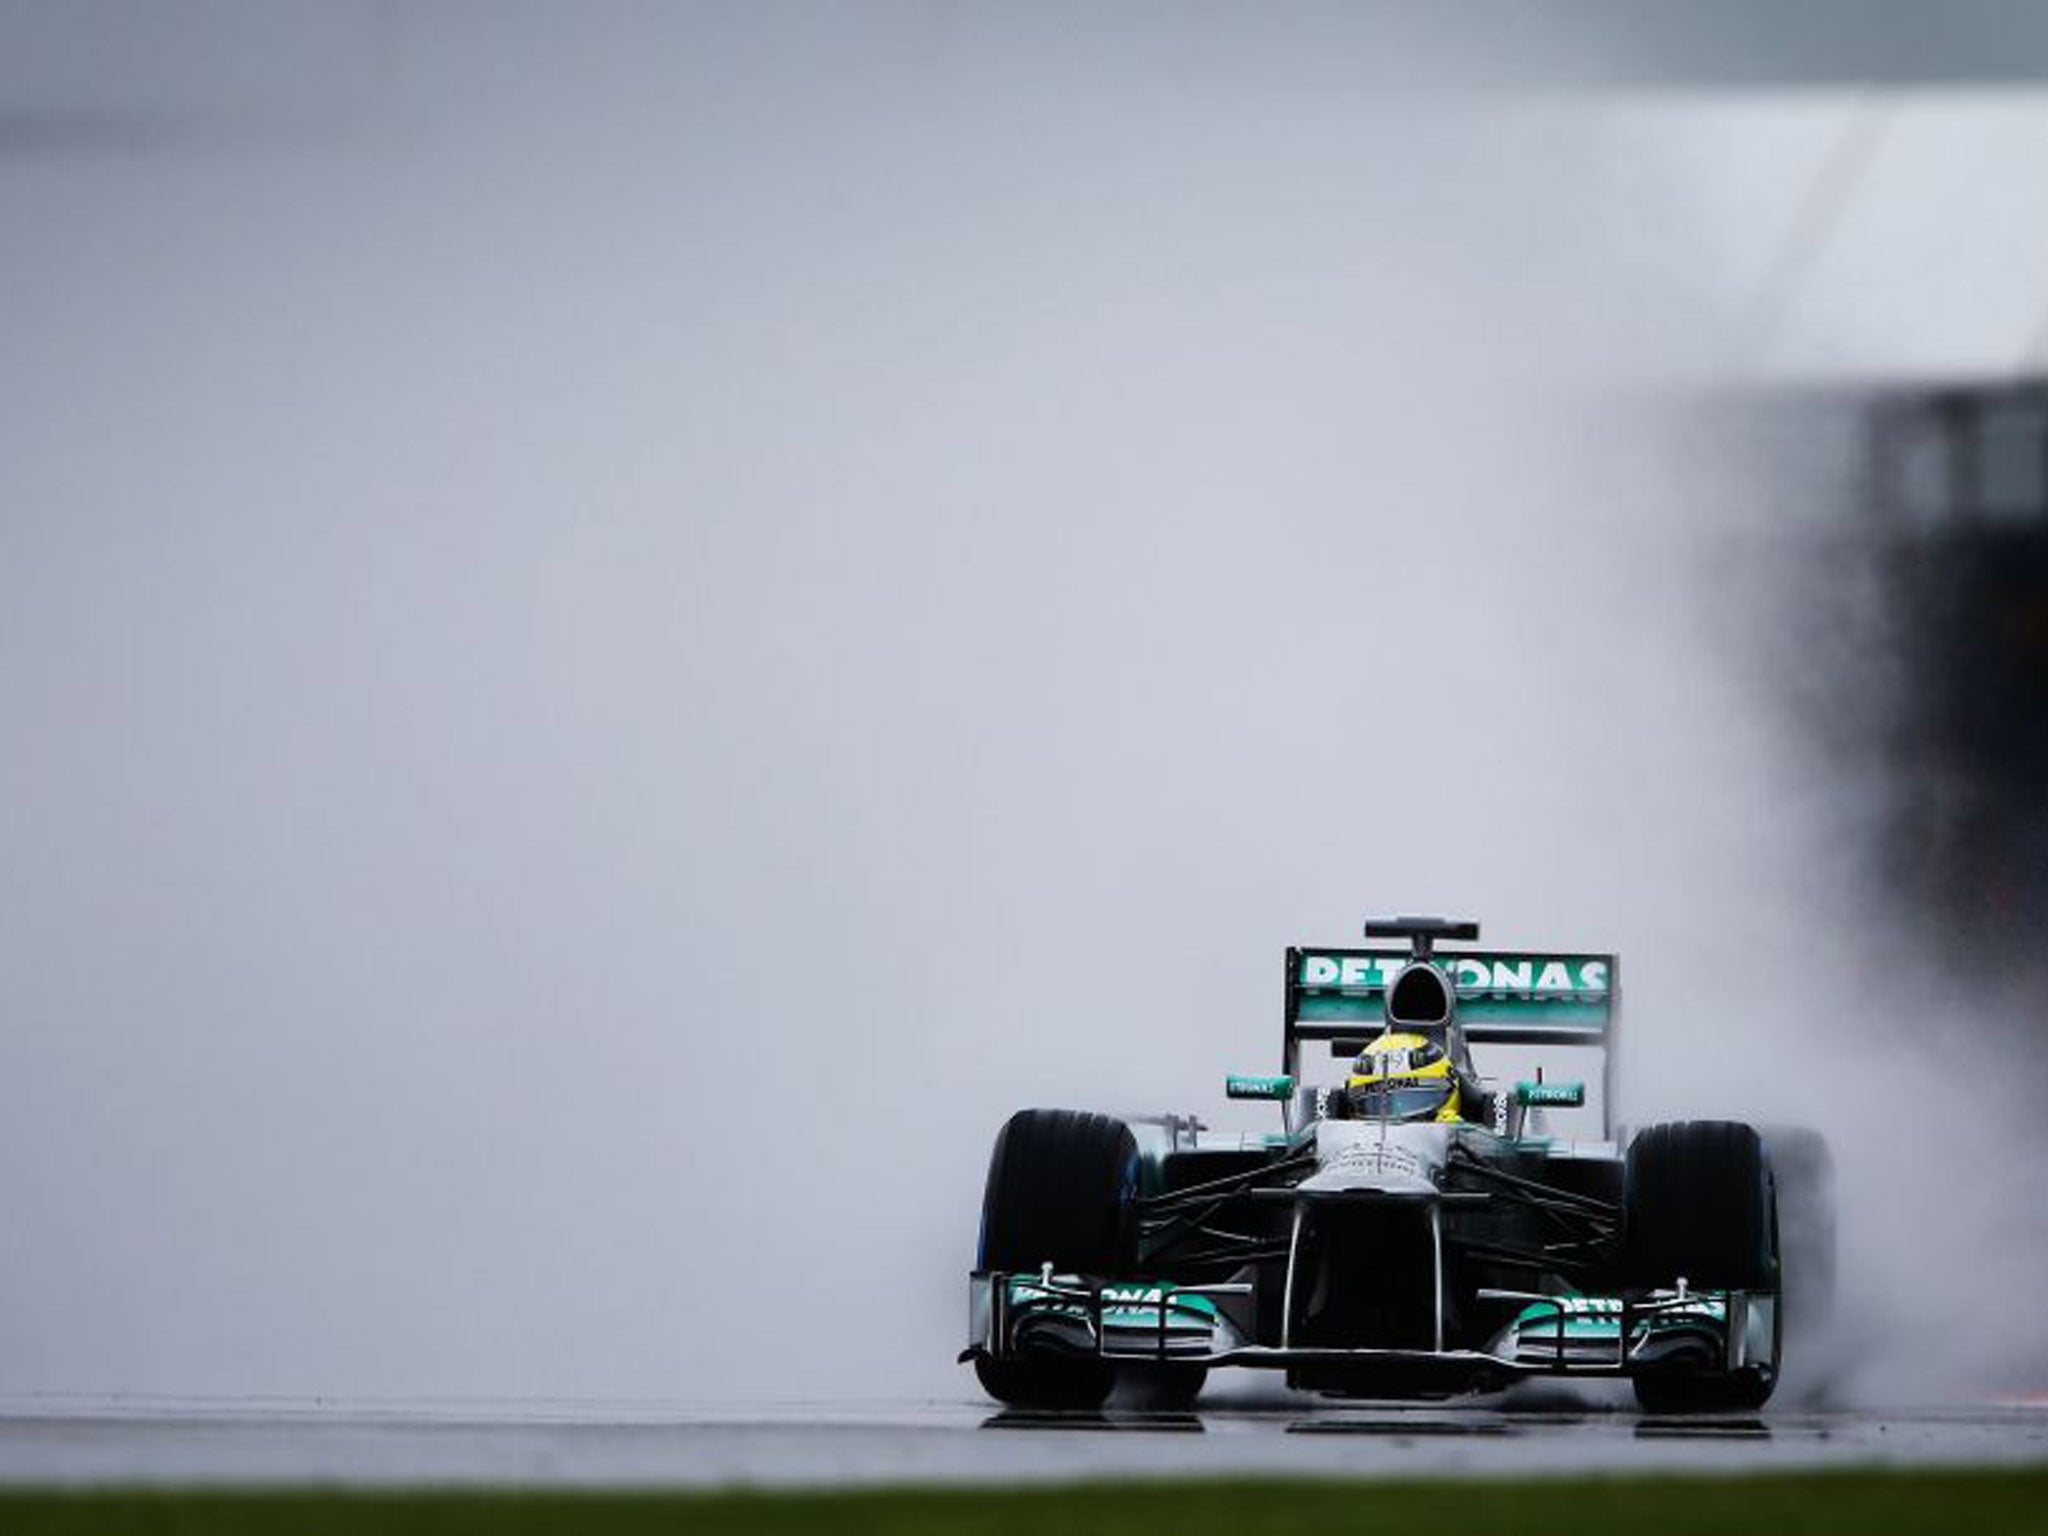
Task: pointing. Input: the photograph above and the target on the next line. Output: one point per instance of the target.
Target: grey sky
(620, 628)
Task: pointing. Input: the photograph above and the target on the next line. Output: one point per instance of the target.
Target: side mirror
(1239, 1086)
(1550, 1095)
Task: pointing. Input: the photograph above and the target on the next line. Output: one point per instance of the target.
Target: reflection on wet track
(643, 1444)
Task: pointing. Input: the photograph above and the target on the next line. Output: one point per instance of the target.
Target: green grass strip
(1852, 1503)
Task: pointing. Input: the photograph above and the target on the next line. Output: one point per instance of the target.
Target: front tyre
(1702, 1205)
(1046, 1381)
(1742, 1391)
(1062, 1191)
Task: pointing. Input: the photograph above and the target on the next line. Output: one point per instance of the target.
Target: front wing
(1576, 1335)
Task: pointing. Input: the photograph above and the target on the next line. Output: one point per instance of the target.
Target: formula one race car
(1415, 1229)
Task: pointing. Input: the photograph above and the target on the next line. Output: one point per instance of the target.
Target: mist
(618, 639)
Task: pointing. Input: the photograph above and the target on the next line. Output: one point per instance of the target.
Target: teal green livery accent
(1241, 1086)
(1130, 1303)
(1546, 1095)
(1540, 1327)
(1572, 994)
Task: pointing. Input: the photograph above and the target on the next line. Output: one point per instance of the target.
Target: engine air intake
(1420, 998)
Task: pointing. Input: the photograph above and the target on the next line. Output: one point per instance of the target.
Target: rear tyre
(1824, 1350)
(1700, 1205)
(1062, 1190)
(1804, 1172)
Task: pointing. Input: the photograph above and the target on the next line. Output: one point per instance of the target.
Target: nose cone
(1395, 1159)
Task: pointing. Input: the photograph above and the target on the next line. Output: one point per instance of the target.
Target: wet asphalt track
(593, 1445)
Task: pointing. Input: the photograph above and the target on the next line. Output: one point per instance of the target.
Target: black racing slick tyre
(1822, 1348)
(1062, 1190)
(1742, 1391)
(1046, 1381)
(1062, 1187)
(1701, 1205)
(1803, 1170)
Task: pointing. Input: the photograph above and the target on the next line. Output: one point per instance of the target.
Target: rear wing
(1505, 997)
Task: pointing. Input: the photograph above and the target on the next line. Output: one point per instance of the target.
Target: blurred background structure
(1958, 507)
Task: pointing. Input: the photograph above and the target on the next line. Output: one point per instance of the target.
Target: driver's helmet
(1403, 1077)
